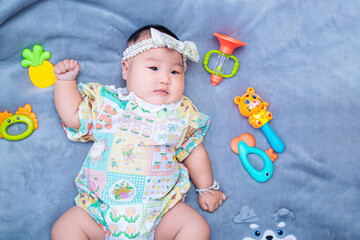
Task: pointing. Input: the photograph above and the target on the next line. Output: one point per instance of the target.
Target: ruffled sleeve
(198, 126)
(87, 113)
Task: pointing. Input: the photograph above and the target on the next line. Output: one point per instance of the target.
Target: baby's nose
(165, 79)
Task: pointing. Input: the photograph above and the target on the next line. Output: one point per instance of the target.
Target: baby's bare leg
(77, 224)
(182, 222)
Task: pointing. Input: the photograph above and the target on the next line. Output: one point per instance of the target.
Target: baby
(147, 144)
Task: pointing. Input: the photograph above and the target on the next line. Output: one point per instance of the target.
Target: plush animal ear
(250, 90)
(246, 215)
(237, 100)
(283, 214)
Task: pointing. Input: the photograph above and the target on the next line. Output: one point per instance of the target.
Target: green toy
(24, 115)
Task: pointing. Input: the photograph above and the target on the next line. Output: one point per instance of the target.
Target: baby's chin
(162, 100)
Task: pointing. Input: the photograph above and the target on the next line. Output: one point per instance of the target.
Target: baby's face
(156, 75)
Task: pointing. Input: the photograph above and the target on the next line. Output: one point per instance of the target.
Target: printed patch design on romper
(158, 187)
(123, 189)
(106, 117)
(84, 200)
(131, 218)
(132, 123)
(113, 97)
(98, 155)
(129, 155)
(162, 162)
(152, 213)
(94, 207)
(96, 180)
(182, 186)
(123, 220)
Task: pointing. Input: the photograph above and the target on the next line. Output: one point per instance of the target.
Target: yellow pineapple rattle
(41, 72)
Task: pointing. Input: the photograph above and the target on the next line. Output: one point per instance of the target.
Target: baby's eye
(154, 68)
(175, 72)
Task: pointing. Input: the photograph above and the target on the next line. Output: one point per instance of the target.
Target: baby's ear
(125, 69)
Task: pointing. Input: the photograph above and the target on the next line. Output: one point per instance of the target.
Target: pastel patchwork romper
(132, 176)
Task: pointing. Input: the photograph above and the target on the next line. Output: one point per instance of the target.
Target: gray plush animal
(281, 217)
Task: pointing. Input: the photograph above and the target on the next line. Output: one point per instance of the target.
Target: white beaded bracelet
(214, 186)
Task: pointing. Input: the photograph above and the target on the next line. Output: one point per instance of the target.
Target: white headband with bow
(158, 39)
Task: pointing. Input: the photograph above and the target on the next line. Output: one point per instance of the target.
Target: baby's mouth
(162, 92)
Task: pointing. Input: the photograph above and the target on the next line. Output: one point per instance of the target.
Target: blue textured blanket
(302, 57)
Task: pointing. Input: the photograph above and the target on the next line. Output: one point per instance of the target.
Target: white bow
(187, 48)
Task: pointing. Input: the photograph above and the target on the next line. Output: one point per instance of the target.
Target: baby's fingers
(213, 207)
(204, 206)
(67, 64)
(220, 202)
(222, 199)
(74, 64)
(60, 68)
(57, 69)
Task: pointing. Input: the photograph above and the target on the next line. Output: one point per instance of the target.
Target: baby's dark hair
(137, 34)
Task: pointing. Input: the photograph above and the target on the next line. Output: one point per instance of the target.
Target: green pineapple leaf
(29, 60)
(25, 63)
(45, 55)
(37, 51)
(35, 57)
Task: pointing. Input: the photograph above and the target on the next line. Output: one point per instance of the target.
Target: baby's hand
(67, 70)
(210, 201)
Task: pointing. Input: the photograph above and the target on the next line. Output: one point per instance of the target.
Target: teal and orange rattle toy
(227, 46)
(251, 105)
(24, 115)
(244, 145)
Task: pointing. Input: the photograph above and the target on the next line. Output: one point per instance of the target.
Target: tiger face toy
(251, 105)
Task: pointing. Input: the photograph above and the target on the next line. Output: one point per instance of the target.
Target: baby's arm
(66, 95)
(200, 172)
